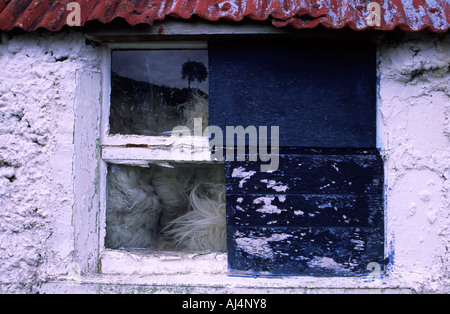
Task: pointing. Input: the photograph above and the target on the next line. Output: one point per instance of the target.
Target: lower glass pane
(160, 208)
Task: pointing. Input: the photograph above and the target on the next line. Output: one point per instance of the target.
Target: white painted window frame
(141, 151)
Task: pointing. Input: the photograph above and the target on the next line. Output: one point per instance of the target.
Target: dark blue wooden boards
(320, 94)
(321, 213)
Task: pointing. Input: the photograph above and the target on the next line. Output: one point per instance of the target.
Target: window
(319, 213)
(157, 199)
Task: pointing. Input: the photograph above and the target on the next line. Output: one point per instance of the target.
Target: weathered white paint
(157, 263)
(259, 246)
(86, 170)
(266, 205)
(326, 263)
(140, 150)
(277, 186)
(241, 173)
(414, 106)
(222, 284)
(45, 228)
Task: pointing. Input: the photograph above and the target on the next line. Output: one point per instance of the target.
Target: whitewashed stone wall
(414, 121)
(38, 93)
(37, 99)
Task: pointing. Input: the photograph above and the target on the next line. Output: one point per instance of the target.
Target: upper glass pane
(153, 91)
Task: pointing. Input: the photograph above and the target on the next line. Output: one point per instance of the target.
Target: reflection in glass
(153, 91)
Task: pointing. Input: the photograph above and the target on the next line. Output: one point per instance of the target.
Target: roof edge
(360, 15)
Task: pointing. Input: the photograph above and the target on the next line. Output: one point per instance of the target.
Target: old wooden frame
(142, 151)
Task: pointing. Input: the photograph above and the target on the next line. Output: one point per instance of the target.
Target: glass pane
(160, 208)
(153, 91)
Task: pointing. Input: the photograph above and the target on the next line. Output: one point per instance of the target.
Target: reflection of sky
(159, 67)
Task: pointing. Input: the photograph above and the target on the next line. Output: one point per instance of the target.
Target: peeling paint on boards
(259, 246)
(344, 223)
(267, 206)
(327, 263)
(277, 186)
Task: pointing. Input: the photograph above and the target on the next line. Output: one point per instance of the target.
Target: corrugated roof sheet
(409, 15)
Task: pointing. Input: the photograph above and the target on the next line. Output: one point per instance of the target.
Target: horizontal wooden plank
(135, 149)
(305, 210)
(321, 173)
(320, 93)
(144, 262)
(304, 251)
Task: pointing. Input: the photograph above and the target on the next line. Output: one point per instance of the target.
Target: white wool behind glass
(179, 208)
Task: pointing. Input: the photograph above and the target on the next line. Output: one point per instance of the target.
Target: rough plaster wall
(414, 124)
(37, 96)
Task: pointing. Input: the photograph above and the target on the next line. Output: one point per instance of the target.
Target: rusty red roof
(408, 15)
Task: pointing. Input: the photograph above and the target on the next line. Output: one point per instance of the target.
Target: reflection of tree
(193, 71)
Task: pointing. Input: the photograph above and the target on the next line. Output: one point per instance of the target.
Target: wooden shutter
(320, 94)
(321, 213)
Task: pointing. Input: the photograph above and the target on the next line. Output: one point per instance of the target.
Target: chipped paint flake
(268, 207)
(327, 263)
(359, 244)
(259, 246)
(244, 175)
(277, 186)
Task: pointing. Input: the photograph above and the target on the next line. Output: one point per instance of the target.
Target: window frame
(112, 145)
(139, 150)
(107, 261)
